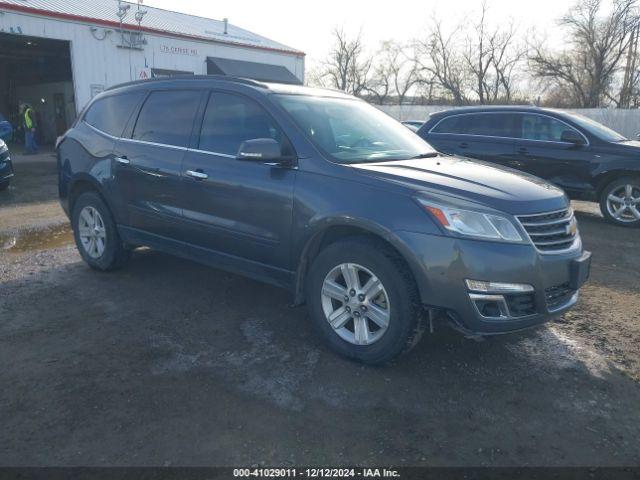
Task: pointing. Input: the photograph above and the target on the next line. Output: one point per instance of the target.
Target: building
(58, 54)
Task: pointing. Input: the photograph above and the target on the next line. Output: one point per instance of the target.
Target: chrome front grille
(551, 232)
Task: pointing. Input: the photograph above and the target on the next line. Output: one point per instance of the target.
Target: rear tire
(96, 235)
(4, 186)
(620, 202)
(329, 296)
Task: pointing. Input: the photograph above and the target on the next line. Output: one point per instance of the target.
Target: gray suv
(322, 194)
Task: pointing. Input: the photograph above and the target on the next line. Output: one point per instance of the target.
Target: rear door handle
(197, 174)
(123, 160)
(523, 151)
(464, 145)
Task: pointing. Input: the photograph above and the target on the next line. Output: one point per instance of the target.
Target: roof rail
(225, 78)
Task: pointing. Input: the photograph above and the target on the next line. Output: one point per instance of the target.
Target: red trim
(112, 24)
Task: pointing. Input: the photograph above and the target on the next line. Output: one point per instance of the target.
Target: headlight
(473, 224)
(3, 147)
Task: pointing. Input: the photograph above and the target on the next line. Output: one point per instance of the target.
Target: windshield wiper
(425, 155)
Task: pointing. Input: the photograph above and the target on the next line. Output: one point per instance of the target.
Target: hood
(490, 185)
(629, 144)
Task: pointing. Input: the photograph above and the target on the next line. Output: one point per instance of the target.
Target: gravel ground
(167, 362)
(31, 202)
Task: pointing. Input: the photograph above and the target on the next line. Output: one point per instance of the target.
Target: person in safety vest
(30, 125)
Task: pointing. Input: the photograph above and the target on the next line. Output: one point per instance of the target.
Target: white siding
(96, 62)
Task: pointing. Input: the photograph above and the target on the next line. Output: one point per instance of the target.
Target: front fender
(347, 225)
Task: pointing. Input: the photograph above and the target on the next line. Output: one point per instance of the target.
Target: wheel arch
(331, 230)
(83, 183)
(605, 178)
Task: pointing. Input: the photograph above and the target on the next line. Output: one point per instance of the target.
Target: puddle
(29, 241)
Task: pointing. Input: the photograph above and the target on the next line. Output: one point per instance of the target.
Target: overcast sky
(307, 26)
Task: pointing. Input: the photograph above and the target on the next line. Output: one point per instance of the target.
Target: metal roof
(156, 20)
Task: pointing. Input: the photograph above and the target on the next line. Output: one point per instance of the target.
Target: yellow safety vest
(27, 118)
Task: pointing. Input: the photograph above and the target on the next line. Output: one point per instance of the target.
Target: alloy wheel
(623, 203)
(92, 232)
(356, 304)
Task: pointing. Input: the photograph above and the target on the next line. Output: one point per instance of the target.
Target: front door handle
(197, 174)
(523, 151)
(464, 145)
(123, 160)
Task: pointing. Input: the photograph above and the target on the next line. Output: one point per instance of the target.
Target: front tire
(4, 185)
(96, 235)
(364, 300)
(620, 202)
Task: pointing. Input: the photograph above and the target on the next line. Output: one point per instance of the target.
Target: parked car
(413, 125)
(588, 160)
(6, 167)
(6, 129)
(322, 194)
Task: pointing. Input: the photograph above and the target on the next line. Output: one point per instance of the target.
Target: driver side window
(542, 128)
(232, 119)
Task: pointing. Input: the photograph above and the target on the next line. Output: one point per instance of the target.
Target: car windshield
(597, 129)
(352, 131)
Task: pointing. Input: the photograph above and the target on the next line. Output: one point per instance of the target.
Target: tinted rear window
(110, 114)
(167, 117)
(483, 124)
(456, 124)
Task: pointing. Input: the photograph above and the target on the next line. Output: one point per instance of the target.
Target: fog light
(497, 287)
(488, 309)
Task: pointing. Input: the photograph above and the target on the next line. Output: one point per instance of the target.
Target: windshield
(597, 129)
(352, 131)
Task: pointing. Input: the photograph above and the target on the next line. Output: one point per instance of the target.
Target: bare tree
(507, 57)
(598, 46)
(379, 85)
(396, 72)
(492, 56)
(440, 59)
(347, 67)
(405, 71)
(478, 57)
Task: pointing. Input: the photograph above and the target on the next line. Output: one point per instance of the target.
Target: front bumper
(443, 264)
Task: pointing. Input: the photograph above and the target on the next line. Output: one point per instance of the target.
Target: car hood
(491, 185)
(629, 145)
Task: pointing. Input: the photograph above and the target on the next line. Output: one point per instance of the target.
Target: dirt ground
(167, 362)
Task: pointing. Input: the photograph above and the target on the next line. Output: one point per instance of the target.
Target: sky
(308, 26)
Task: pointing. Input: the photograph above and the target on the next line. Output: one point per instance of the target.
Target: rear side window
(110, 114)
(231, 119)
(481, 124)
(167, 117)
(456, 124)
(539, 127)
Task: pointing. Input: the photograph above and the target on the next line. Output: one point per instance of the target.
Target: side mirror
(260, 150)
(571, 136)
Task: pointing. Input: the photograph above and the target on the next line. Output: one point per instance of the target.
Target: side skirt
(230, 263)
